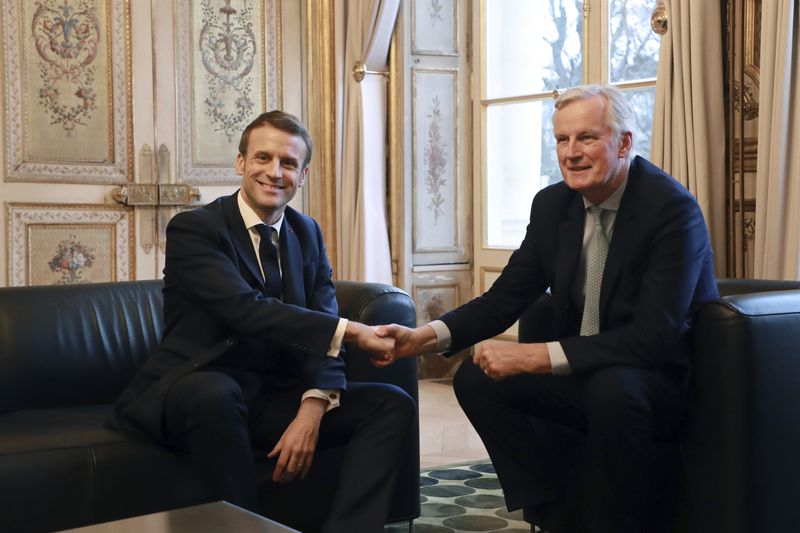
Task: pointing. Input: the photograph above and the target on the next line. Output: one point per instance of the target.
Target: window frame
(595, 70)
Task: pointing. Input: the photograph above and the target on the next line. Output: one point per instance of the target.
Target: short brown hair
(282, 121)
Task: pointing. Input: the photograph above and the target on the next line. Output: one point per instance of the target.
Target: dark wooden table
(217, 517)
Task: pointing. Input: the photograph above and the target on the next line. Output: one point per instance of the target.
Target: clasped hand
(498, 360)
(408, 342)
(381, 347)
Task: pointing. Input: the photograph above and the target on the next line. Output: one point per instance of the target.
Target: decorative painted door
(117, 114)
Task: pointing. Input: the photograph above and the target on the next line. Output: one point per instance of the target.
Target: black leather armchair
(66, 352)
(743, 426)
(743, 429)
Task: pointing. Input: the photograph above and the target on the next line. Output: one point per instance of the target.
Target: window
(529, 49)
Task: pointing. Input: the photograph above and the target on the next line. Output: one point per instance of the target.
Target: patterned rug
(463, 497)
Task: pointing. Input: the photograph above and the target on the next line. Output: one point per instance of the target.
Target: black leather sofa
(740, 444)
(66, 352)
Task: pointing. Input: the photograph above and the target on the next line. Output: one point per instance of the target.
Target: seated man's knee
(616, 396)
(392, 402)
(211, 393)
(402, 403)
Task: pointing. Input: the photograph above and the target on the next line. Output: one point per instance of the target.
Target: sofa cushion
(54, 429)
(62, 468)
(74, 344)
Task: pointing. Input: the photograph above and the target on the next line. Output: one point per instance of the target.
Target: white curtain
(364, 239)
(777, 235)
(689, 120)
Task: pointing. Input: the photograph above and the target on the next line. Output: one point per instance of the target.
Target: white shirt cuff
(338, 337)
(558, 359)
(330, 395)
(443, 338)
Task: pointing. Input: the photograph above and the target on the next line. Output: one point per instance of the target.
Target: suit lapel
(241, 238)
(624, 231)
(569, 248)
(291, 266)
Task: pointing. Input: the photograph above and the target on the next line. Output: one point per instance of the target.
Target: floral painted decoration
(71, 258)
(66, 37)
(435, 162)
(228, 49)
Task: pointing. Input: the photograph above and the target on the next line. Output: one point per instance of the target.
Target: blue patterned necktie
(596, 254)
(268, 254)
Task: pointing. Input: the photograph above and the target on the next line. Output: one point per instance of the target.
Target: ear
(240, 164)
(302, 179)
(625, 144)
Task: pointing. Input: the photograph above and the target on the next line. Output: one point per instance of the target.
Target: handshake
(390, 342)
(497, 360)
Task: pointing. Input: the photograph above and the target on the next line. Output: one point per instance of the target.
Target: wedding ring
(299, 465)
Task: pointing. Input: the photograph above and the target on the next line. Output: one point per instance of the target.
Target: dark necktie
(269, 260)
(596, 254)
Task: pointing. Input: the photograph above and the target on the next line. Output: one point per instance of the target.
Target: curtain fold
(689, 117)
(777, 226)
(364, 249)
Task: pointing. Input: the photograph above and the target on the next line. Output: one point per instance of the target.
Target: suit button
(229, 342)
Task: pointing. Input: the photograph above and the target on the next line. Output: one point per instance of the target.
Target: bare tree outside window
(530, 49)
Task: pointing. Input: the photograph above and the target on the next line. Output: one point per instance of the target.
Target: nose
(574, 150)
(274, 168)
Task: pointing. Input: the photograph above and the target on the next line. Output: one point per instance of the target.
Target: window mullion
(595, 41)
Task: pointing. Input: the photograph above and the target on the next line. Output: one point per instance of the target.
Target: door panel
(117, 114)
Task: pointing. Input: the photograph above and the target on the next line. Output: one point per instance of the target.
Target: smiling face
(592, 157)
(272, 170)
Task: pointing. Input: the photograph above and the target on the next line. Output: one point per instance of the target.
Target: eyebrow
(286, 159)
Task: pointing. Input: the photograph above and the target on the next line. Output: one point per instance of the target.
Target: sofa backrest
(75, 344)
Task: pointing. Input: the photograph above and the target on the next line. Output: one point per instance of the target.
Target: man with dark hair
(250, 354)
(573, 425)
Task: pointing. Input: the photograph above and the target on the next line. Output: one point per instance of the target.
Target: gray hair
(618, 114)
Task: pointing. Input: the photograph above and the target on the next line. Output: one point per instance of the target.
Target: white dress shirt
(251, 222)
(558, 359)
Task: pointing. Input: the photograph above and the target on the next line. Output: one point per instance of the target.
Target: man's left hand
(500, 360)
(295, 449)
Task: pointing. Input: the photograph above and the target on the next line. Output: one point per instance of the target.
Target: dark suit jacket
(658, 272)
(216, 311)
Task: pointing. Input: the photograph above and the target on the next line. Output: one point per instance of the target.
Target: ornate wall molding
(68, 110)
(54, 243)
(434, 30)
(435, 161)
(228, 70)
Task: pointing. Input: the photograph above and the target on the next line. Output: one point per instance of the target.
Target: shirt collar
(251, 219)
(612, 202)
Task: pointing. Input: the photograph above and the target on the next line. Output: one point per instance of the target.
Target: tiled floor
(446, 436)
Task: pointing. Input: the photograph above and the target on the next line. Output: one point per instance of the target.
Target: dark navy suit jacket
(658, 272)
(215, 310)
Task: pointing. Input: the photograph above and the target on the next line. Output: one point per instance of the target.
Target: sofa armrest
(374, 304)
(731, 286)
(743, 432)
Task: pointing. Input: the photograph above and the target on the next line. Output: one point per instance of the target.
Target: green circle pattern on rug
(463, 497)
